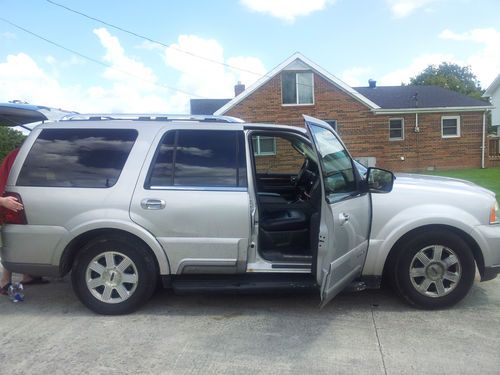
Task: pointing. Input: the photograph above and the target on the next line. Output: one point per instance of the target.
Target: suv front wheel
(435, 269)
(114, 275)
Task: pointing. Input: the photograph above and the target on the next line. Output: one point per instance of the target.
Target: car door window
(81, 158)
(200, 158)
(338, 172)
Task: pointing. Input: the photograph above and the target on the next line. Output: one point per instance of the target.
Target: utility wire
(95, 60)
(149, 39)
(167, 45)
(153, 40)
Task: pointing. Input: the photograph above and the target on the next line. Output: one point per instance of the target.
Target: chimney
(238, 88)
(372, 83)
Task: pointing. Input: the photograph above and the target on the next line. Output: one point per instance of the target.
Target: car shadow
(57, 298)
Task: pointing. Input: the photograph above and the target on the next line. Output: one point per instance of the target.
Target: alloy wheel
(435, 271)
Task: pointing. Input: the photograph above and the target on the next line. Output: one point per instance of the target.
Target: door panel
(344, 253)
(197, 228)
(194, 199)
(345, 214)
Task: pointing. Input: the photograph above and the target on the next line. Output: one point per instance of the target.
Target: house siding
(367, 134)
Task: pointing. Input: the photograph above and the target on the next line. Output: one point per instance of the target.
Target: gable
(297, 62)
(492, 89)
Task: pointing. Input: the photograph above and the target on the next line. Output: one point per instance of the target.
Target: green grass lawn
(488, 177)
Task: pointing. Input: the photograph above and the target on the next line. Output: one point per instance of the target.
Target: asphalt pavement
(369, 332)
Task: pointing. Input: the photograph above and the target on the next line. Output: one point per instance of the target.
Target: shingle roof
(398, 97)
(206, 106)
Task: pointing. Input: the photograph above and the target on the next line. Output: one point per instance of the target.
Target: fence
(494, 152)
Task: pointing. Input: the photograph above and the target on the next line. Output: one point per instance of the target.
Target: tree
(9, 140)
(451, 76)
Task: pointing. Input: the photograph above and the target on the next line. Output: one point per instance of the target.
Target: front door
(345, 213)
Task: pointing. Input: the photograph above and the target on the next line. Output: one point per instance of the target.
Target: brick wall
(366, 134)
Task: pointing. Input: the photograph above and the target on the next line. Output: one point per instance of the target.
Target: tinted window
(338, 172)
(202, 158)
(91, 158)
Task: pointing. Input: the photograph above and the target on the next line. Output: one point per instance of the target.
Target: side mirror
(380, 180)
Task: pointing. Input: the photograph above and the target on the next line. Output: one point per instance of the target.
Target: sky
(153, 56)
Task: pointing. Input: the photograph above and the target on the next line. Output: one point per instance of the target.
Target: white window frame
(402, 129)
(458, 126)
(257, 151)
(297, 88)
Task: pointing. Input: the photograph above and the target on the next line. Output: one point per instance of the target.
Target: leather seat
(284, 220)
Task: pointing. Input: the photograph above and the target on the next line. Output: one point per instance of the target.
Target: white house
(493, 92)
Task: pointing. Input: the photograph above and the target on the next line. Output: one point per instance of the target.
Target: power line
(153, 40)
(97, 61)
(149, 39)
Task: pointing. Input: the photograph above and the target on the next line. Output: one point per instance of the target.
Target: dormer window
(297, 88)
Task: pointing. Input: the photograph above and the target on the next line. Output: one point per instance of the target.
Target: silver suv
(211, 203)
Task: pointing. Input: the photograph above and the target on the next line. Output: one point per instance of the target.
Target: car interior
(288, 197)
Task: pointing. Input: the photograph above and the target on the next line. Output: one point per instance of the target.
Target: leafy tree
(451, 76)
(9, 140)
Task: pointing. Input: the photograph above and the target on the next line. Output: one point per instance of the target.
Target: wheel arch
(76, 244)
(396, 248)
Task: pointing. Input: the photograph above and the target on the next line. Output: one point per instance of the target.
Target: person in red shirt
(12, 204)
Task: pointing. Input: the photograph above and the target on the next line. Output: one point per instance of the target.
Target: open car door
(20, 114)
(345, 213)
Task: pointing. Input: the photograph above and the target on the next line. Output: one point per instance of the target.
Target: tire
(114, 275)
(434, 269)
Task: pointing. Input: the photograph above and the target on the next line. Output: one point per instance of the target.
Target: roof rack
(149, 117)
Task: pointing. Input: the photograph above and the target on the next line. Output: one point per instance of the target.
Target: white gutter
(483, 140)
(395, 111)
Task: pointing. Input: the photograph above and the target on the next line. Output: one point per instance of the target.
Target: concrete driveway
(370, 332)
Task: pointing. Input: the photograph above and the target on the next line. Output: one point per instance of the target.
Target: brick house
(402, 128)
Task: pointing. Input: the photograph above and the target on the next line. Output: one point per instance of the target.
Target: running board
(250, 284)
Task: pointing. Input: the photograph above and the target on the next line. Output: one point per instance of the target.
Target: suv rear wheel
(114, 275)
(434, 269)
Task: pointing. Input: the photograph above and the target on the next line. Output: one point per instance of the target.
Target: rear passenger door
(193, 197)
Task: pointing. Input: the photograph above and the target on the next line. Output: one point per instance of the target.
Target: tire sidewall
(139, 255)
(406, 254)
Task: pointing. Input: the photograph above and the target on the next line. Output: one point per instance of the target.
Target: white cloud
(286, 10)
(357, 76)
(205, 71)
(123, 68)
(22, 79)
(127, 85)
(403, 8)
(403, 75)
(485, 62)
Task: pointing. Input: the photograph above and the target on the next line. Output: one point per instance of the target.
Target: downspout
(483, 140)
(417, 131)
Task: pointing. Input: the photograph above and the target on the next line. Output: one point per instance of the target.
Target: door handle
(343, 218)
(153, 204)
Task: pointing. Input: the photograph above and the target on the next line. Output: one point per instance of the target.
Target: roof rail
(149, 117)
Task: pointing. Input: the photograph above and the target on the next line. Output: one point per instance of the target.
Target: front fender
(386, 233)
